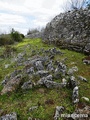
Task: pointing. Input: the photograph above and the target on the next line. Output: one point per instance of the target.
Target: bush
(9, 50)
(16, 36)
(22, 35)
(8, 39)
(5, 40)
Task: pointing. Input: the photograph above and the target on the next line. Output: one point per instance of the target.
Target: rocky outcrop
(70, 30)
(34, 35)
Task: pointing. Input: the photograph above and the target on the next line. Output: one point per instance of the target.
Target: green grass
(20, 101)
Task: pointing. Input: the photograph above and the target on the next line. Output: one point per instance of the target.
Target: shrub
(5, 40)
(22, 35)
(16, 36)
(9, 50)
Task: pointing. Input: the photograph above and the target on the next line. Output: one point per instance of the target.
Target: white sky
(24, 14)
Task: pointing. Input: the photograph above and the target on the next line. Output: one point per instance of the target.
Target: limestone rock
(12, 84)
(47, 81)
(64, 82)
(32, 108)
(85, 98)
(75, 96)
(34, 35)
(82, 78)
(85, 112)
(69, 30)
(15, 73)
(50, 66)
(72, 70)
(30, 70)
(27, 85)
(86, 60)
(72, 82)
(39, 65)
(58, 112)
(41, 81)
(61, 68)
(42, 73)
(6, 79)
(12, 116)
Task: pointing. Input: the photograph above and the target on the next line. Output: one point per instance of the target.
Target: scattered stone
(49, 83)
(85, 111)
(33, 118)
(39, 65)
(72, 70)
(42, 73)
(20, 58)
(86, 60)
(50, 66)
(72, 82)
(51, 57)
(12, 116)
(6, 79)
(64, 82)
(33, 108)
(13, 74)
(30, 70)
(61, 68)
(85, 98)
(7, 65)
(75, 96)
(27, 85)
(59, 111)
(49, 77)
(41, 81)
(82, 78)
(12, 84)
(32, 61)
(53, 50)
(87, 49)
(21, 55)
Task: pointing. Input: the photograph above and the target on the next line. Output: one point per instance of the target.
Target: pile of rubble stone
(47, 70)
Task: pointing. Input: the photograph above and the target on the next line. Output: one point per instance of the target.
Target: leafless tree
(77, 4)
(74, 5)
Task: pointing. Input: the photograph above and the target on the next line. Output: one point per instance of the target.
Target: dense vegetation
(8, 39)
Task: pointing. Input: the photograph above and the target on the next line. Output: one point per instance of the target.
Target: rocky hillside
(70, 30)
(42, 82)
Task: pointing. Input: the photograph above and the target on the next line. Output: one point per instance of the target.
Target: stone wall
(70, 30)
